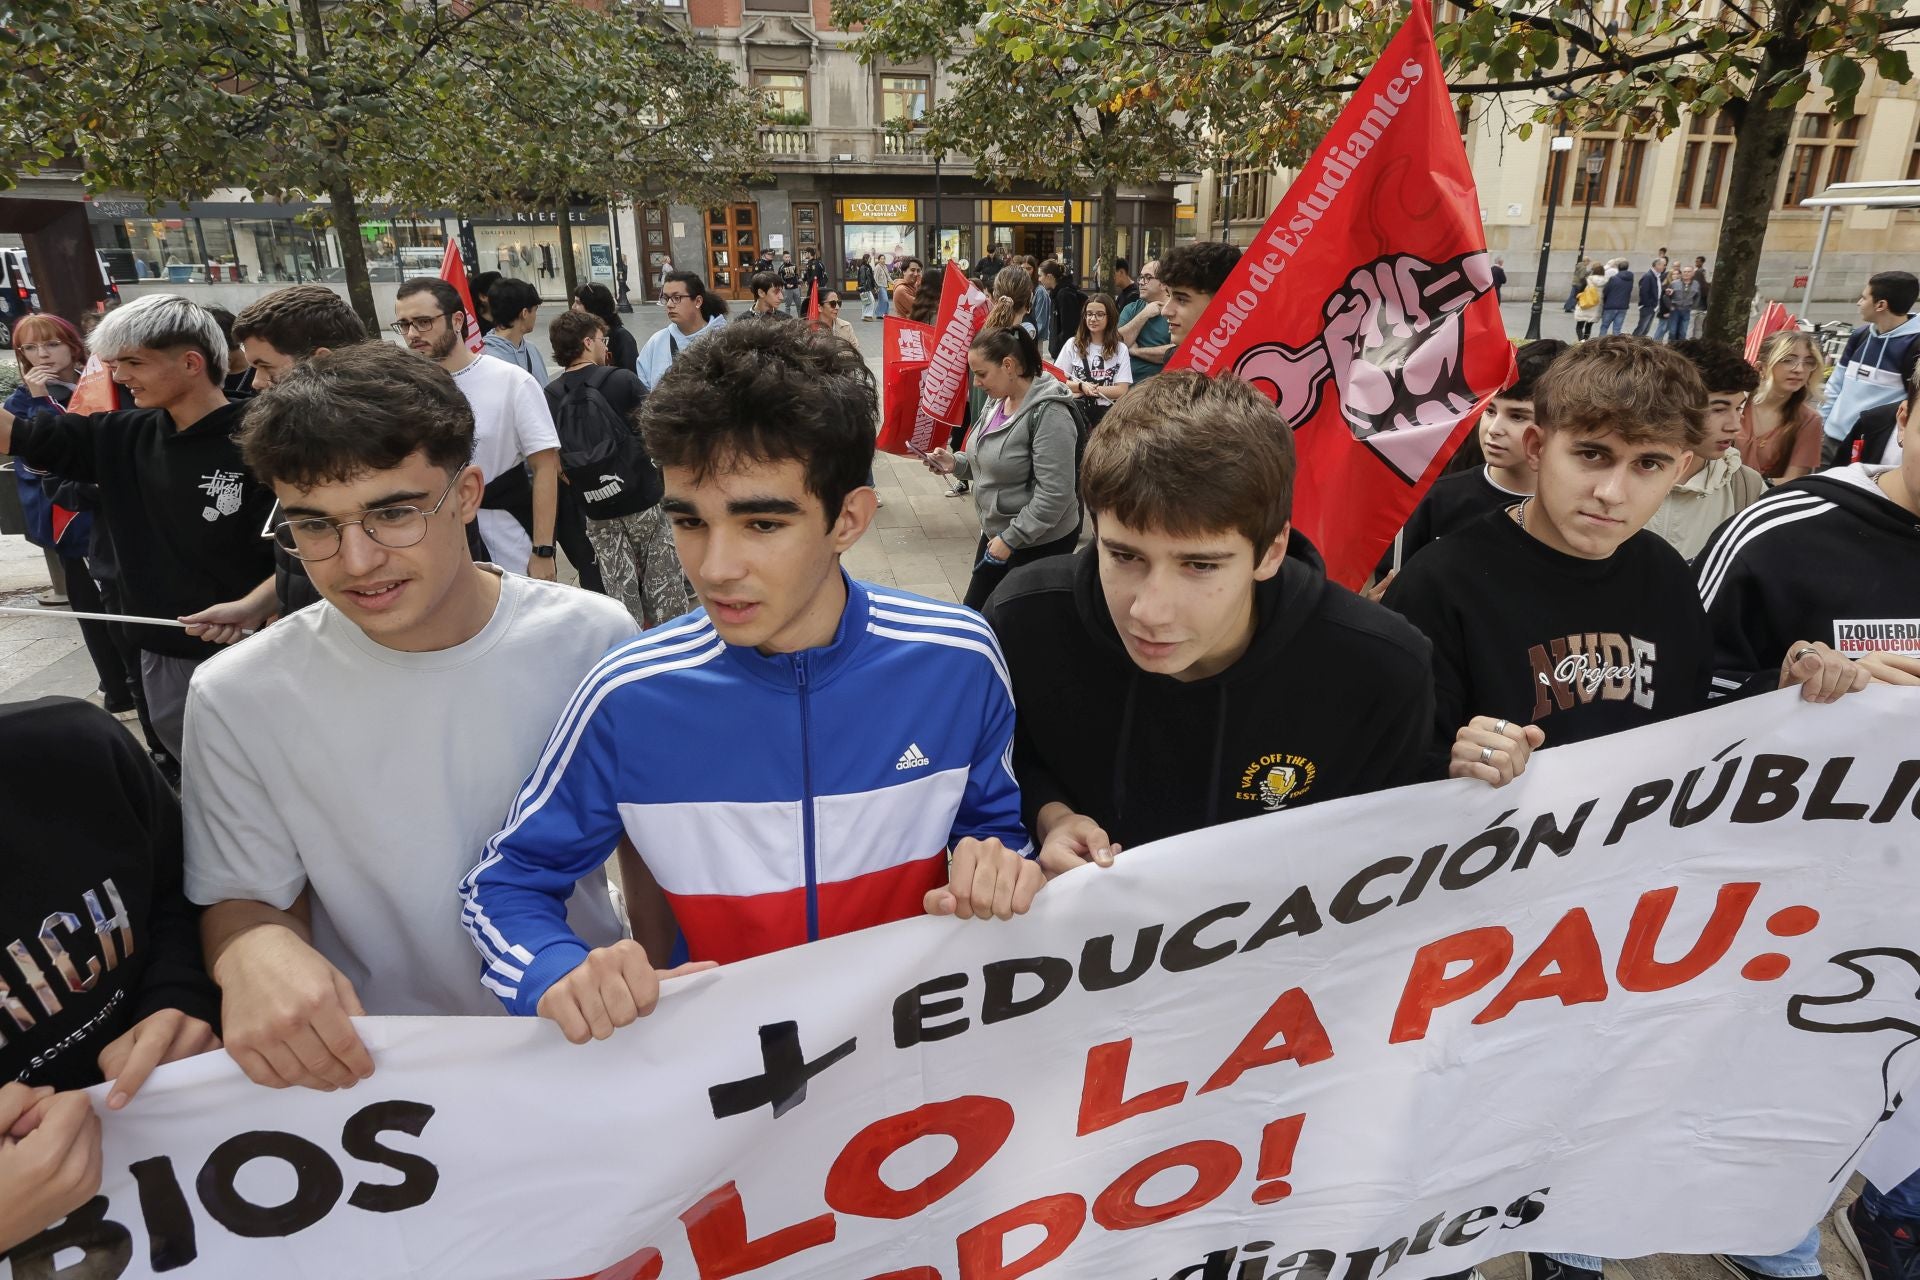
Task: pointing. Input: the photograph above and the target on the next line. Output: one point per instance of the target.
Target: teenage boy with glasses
(513, 433)
(684, 295)
(342, 766)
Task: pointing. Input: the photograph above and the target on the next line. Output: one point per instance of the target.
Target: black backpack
(599, 451)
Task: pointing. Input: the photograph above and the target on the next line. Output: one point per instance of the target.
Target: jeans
(1801, 1260)
(880, 303)
(1902, 1203)
(1647, 316)
(1610, 321)
(988, 575)
(1674, 327)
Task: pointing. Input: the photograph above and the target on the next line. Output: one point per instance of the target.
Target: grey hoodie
(1023, 473)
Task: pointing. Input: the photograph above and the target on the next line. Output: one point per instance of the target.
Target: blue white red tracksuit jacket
(776, 800)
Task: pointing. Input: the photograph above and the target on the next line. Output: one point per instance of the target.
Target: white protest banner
(1656, 996)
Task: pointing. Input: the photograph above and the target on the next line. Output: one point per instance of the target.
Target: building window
(1633, 155)
(1704, 164)
(903, 99)
(1822, 147)
(783, 91)
(1247, 194)
(1689, 163)
(1589, 185)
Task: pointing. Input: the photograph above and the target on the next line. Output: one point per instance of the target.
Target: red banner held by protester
(1365, 308)
(925, 369)
(453, 269)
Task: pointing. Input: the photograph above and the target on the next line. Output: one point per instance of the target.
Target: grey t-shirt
(319, 759)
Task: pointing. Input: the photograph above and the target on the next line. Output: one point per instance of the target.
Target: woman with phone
(1020, 457)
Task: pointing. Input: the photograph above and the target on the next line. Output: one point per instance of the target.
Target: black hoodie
(1828, 557)
(186, 515)
(95, 930)
(1334, 697)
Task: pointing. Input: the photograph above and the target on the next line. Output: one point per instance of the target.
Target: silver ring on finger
(1805, 649)
(1500, 726)
(1486, 755)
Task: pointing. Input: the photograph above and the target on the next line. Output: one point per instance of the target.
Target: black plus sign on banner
(783, 1085)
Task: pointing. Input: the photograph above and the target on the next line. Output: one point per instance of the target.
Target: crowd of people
(1666, 294)
(1635, 530)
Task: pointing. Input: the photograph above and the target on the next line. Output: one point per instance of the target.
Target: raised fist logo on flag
(1365, 308)
(1394, 350)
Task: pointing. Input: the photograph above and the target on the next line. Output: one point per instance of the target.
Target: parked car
(19, 297)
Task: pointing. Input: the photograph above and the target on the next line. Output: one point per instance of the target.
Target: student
(279, 330)
(342, 766)
(904, 292)
(1171, 675)
(769, 296)
(1143, 325)
(275, 333)
(1095, 361)
(1561, 618)
(184, 513)
(631, 541)
(515, 445)
(1868, 372)
(103, 978)
(1458, 498)
(1834, 556)
(94, 832)
(683, 295)
(515, 307)
(1191, 275)
(1780, 434)
(880, 722)
(1547, 615)
(623, 350)
(1714, 484)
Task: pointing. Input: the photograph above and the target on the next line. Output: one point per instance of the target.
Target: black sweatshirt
(95, 931)
(1332, 698)
(1524, 633)
(1828, 557)
(1453, 502)
(185, 513)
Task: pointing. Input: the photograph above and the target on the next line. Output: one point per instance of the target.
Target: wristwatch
(544, 552)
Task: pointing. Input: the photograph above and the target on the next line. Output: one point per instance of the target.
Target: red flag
(1773, 318)
(813, 304)
(1365, 308)
(926, 369)
(453, 269)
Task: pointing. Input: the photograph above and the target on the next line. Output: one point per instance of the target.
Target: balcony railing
(812, 144)
(786, 140)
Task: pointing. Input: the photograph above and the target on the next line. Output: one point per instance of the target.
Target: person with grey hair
(184, 511)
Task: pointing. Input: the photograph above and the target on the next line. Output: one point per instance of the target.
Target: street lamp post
(1595, 163)
(1560, 145)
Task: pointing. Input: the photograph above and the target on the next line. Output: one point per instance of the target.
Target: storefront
(526, 246)
(238, 241)
(886, 229)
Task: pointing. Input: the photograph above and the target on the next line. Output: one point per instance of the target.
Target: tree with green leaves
(1024, 106)
(620, 107)
(1265, 73)
(351, 102)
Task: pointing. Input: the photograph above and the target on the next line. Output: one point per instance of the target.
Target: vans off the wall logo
(1276, 778)
(223, 490)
